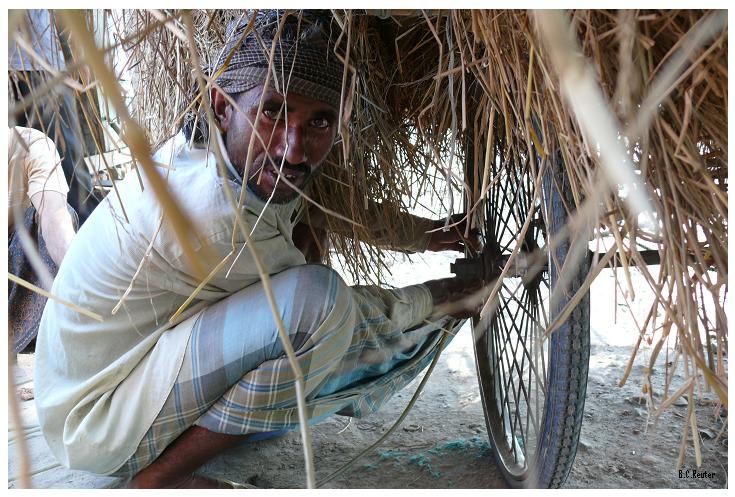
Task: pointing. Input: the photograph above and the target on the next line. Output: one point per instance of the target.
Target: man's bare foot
(190, 481)
(176, 466)
(199, 481)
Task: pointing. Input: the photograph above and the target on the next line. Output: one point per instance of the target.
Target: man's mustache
(277, 162)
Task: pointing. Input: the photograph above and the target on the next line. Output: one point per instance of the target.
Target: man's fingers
(473, 240)
(456, 297)
(454, 239)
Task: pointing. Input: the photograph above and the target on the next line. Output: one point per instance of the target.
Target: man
(37, 203)
(136, 396)
(51, 112)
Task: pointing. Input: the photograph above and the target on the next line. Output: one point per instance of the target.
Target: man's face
(293, 137)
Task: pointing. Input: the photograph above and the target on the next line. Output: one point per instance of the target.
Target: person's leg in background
(26, 306)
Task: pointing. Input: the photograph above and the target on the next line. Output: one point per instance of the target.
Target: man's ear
(221, 108)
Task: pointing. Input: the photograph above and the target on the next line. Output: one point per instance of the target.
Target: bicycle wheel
(532, 387)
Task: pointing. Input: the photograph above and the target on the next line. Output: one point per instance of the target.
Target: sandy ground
(443, 441)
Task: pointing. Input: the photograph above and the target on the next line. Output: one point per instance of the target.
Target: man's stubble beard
(256, 189)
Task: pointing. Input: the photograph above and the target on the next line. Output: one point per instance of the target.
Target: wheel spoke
(521, 392)
(508, 227)
(525, 306)
(523, 387)
(514, 395)
(511, 332)
(502, 337)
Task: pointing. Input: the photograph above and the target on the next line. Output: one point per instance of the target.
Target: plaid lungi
(236, 379)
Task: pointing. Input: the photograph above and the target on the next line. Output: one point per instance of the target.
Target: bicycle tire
(542, 459)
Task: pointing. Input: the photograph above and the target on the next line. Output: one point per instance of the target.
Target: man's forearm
(57, 227)
(409, 232)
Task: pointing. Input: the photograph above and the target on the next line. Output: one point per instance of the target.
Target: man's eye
(273, 114)
(321, 122)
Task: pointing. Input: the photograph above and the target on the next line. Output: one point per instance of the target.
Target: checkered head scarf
(304, 61)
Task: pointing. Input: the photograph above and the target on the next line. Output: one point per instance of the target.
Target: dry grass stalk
(49, 295)
(139, 145)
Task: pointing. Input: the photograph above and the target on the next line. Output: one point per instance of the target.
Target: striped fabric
(356, 346)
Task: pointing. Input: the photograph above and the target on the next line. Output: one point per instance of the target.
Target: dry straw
(434, 91)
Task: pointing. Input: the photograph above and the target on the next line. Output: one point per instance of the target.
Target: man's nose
(294, 143)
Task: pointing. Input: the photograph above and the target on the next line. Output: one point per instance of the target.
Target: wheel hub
(489, 264)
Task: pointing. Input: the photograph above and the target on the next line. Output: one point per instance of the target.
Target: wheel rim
(512, 354)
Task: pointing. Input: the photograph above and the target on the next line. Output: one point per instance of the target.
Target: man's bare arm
(57, 227)
(459, 298)
(414, 233)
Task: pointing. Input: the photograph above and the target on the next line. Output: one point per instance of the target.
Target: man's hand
(453, 239)
(459, 298)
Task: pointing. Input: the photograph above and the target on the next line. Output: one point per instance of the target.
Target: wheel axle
(490, 263)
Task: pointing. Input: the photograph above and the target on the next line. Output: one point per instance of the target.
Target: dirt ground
(443, 441)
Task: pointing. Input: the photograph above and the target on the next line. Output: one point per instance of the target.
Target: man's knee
(316, 275)
(317, 286)
(319, 292)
